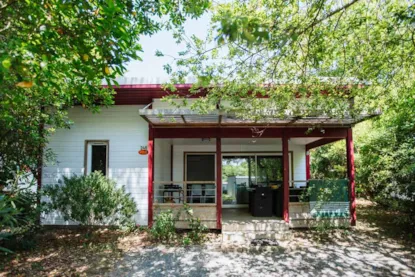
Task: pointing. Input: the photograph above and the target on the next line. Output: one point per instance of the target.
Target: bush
(197, 228)
(8, 219)
(164, 227)
(92, 200)
(19, 211)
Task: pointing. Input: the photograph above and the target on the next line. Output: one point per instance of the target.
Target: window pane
(200, 168)
(270, 170)
(238, 174)
(99, 158)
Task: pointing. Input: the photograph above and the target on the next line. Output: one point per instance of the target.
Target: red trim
(150, 174)
(322, 142)
(171, 162)
(148, 86)
(218, 183)
(286, 185)
(307, 166)
(337, 133)
(351, 175)
(143, 94)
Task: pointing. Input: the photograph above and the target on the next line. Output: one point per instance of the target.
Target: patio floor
(243, 215)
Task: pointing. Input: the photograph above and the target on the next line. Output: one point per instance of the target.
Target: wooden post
(218, 183)
(150, 174)
(286, 183)
(307, 165)
(351, 176)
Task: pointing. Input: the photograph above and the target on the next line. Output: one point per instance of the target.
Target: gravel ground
(341, 254)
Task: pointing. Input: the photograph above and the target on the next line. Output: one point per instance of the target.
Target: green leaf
(6, 63)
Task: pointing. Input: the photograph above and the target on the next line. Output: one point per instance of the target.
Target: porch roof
(216, 118)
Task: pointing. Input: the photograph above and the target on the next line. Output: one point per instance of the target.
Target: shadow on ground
(370, 249)
(359, 256)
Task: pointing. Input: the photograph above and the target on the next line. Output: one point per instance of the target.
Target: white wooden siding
(126, 132)
(162, 153)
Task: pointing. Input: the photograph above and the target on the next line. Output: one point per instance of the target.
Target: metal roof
(216, 118)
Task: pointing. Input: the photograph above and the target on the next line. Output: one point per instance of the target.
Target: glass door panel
(238, 174)
(269, 170)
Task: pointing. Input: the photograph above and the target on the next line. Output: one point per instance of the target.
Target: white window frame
(88, 155)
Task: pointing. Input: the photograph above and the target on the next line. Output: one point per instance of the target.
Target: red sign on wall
(143, 150)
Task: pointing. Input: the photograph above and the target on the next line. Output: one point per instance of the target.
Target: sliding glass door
(241, 172)
(237, 176)
(269, 170)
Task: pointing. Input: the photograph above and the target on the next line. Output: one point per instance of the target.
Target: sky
(150, 69)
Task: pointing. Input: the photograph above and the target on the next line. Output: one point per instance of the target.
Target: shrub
(164, 229)
(19, 211)
(8, 219)
(197, 228)
(92, 200)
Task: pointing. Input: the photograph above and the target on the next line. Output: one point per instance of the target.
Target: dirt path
(373, 248)
(352, 256)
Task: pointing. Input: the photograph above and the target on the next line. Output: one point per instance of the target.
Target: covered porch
(187, 164)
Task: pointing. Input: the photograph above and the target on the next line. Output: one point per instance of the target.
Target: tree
(55, 53)
(320, 57)
(329, 161)
(385, 160)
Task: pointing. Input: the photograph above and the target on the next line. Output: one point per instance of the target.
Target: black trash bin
(262, 200)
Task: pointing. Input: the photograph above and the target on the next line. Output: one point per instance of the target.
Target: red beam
(150, 86)
(337, 133)
(286, 187)
(351, 175)
(150, 174)
(218, 183)
(321, 142)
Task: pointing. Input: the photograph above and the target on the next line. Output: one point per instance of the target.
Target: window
(200, 167)
(269, 170)
(200, 178)
(96, 156)
(199, 186)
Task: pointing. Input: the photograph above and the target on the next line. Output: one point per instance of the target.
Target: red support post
(351, 175)
(150, 149)
(286, 183)
(307, 165)
(218, 183)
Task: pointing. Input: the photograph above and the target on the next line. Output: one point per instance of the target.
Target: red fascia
(143, 94)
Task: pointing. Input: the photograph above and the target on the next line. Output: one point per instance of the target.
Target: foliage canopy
(55, 54)
(320, 57)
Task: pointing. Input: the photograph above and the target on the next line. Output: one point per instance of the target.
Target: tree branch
(342, 8)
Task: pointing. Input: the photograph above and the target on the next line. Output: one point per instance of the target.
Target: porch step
(247, 238)
(245, 232)
(255, 226)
